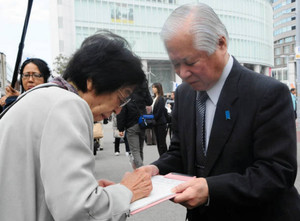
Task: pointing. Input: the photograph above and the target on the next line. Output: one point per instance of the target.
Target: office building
(284, 41)
(249, 23)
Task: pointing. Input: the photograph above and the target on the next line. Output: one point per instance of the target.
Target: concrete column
(266, 71)
(257, 68)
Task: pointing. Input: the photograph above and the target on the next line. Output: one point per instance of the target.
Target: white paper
(161, 189)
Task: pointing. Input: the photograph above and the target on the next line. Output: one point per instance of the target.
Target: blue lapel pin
(227, 115)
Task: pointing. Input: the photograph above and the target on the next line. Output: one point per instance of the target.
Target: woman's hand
(2, 101)
(10, 91)
(121, 133)
(105, 183)
(139, 182)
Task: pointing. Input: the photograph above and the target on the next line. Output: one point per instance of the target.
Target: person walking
(128, 120)
(118, 136)
(294, 100)
(169, 107)
(160, 112)
(234, 129)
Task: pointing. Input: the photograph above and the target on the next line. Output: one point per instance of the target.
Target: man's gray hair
(202, 22)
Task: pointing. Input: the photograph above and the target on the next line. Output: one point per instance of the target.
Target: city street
(113, 167)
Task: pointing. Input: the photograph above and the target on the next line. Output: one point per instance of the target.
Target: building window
(284, 74)
(61, 46)
(278, 61)
(286, 49)
(60, 22)
(289, 39)
(277, 51)
(279, 74)
(284, 60)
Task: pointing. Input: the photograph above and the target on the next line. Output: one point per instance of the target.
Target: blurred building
(6, 74)
(249, 23)
(2, 73)
(285, 41)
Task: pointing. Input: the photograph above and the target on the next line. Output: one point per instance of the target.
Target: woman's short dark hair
(42, 66)
(107, 60)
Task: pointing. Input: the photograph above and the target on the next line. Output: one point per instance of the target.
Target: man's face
(194, 66)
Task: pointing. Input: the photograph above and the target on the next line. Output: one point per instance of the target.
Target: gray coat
(47, 164)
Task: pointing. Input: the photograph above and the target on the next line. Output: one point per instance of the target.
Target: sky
(37, 41)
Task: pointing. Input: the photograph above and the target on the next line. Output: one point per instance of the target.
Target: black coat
(130, 114)
(159, 111)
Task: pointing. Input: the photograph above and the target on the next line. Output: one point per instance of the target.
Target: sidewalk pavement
(111, 167)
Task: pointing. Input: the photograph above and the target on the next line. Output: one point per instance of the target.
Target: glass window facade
(249, 23)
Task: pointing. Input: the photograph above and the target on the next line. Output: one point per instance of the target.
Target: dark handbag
(146, 121)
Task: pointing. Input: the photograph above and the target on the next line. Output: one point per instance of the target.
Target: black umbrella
(21, 45)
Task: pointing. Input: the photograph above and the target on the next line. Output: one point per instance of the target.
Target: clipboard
(162, 186)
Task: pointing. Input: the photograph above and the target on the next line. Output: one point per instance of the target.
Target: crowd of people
(225, 124)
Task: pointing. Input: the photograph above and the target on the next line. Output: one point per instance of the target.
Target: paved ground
(113, 167)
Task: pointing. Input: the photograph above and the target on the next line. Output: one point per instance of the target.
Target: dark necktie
(200, 138)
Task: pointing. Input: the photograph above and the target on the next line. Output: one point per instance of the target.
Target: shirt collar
(215, 91)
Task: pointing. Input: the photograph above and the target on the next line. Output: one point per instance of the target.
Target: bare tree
(60, 64)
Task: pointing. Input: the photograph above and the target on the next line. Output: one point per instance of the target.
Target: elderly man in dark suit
(234, 129)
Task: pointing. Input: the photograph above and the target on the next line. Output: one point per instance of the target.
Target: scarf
(64, 84)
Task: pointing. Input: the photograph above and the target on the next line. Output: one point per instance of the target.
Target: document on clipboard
(162, 186)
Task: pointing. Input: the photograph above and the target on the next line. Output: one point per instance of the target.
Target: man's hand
(152, 169)
(192, 193)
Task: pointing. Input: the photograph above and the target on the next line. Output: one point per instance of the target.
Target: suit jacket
(251, 158)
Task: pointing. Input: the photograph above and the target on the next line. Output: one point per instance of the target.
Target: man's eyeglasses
(123, 100)
(33, 75)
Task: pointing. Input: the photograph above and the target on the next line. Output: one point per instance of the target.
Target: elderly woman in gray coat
(46, 140)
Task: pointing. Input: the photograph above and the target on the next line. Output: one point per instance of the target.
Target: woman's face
(154, 90)
(31, 76)
(102, 106)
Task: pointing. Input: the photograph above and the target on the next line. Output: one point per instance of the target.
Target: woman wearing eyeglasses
(33, 71)
(47, 171)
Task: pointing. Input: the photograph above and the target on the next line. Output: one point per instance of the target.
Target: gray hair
(202, 22)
